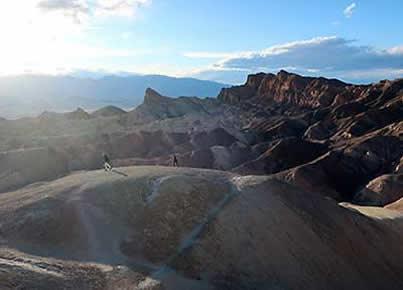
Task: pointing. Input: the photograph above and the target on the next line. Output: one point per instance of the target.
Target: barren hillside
(172, 228)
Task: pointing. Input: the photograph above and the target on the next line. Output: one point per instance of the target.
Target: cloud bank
(328, 56)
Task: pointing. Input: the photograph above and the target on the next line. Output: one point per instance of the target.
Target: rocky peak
(282, 74)
(80, 111)
(78, 114)
(254, 80)
(152, 97)
(108, 111)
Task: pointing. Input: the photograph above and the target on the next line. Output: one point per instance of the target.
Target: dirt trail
(103, 239)
(103, 236)
(32, 266)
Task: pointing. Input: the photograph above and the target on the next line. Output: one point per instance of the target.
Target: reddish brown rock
(283, 154)
(285, 88)
(381, 191)
(254, 80)
(219, 136)
(308, 92)
(272, 129)
(321, 130)
(399, 166)
(341, 172)
(236, 95)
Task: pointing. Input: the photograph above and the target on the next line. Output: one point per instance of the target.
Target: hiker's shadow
(119, 172)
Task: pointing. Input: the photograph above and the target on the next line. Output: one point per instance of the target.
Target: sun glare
(32, 39)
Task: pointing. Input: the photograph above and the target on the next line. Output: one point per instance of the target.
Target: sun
(33, 39)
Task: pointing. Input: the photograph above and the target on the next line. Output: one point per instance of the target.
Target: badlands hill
(171, 228)
(323, 135)
(288, 182)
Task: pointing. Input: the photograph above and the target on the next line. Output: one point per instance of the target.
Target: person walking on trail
(175, 161)
(107, 164)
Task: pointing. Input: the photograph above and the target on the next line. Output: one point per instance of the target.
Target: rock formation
(325, 212)
(307, 92)
(323, 134)
(283, 154)
(381, 191)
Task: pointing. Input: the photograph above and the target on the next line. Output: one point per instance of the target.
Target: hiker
(175, 161)
(107, 164)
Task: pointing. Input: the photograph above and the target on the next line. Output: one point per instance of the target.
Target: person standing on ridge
(175, 161)
(107, 164)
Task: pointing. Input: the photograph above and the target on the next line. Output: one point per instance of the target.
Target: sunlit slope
(215, 230)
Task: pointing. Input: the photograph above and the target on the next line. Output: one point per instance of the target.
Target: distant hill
(108, 111)
(33, 94)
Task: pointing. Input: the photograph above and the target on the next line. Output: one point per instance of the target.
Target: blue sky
(357, 41)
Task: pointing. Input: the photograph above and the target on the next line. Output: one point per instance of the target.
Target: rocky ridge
(339, 135)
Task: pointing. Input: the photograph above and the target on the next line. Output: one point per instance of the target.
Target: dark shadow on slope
(119, 172)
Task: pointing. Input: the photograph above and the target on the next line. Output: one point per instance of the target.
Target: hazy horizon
(26, 96)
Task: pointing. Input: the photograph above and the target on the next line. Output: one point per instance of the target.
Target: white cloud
(348, 12)
(223, 75)
(119, 7)
(321, 53)
(208, 54)
(397, 50)
(77, 9)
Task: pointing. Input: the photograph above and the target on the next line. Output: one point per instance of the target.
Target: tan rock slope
(182, 228)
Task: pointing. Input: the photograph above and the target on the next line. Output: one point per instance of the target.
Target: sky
(356, 41)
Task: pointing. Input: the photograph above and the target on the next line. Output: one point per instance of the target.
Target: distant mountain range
(32, 94)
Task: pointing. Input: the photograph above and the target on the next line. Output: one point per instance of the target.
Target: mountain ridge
(296, 90)
(31, 95)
